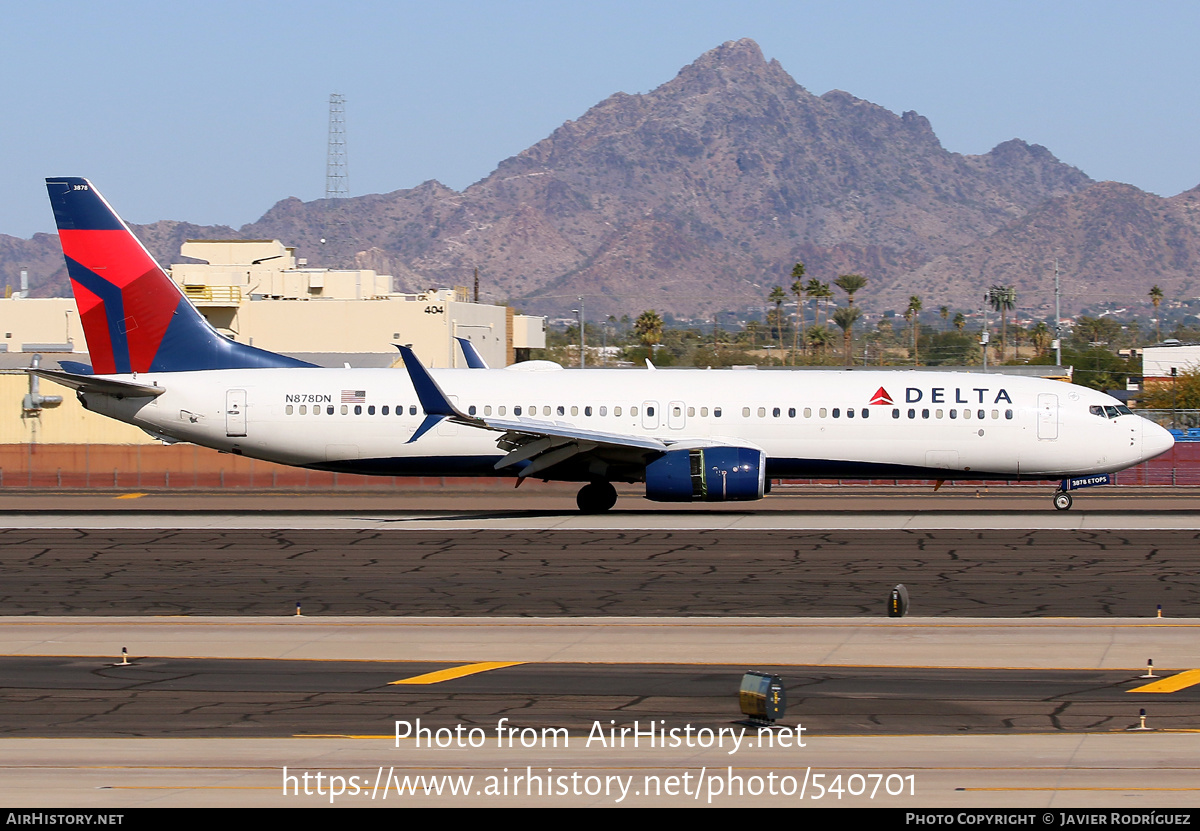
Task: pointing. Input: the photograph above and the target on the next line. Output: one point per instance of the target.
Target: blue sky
(211, 112)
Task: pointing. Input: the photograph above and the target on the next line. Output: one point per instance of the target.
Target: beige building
(257, 292)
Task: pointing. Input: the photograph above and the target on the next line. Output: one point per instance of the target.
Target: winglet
(474, 359)
(433, 401)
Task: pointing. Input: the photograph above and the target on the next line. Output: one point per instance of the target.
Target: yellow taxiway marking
(457, 672)
(129, 496)
(1172, 684)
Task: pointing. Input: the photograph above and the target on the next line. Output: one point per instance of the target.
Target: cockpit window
(1096, 410)
(1111, 412)
(1123, 410)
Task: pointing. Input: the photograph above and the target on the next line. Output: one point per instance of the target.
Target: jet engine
(707, 474)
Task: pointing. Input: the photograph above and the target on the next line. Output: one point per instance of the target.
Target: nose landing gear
(1062, 501)
(596, 497)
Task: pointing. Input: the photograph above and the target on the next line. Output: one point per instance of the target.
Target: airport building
(259, 293)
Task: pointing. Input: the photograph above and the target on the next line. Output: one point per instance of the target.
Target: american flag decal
(354, 396)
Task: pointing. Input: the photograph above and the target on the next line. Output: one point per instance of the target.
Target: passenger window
(471, 410)
(912, 413)
(517, 410)
(808, 412)
(982, 414)
(574, 410)
(1008, 414)
(745, 412)
(384, 410)
(487, 410)
(896, 413)
(849, 412)
(412, 409)
(791, 412)
(617, 411)
(775, 412)
(954, 414)
(561, 410)
(703, 412)
(358, 409)
(995, 414)
(865, 412)
(716, 412)
(329, 409)
(587, 411)
(937, 413)
(967, 414)
(287, 410)
(823, 412)
(371, 410)
(345, 410)
(762, 412)
(501, 409)
(604, 411)
(924, 413)
(649, 412)
(691, 411)
(632, 411)
(546, 410)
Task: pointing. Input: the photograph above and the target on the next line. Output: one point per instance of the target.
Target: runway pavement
(986, 698)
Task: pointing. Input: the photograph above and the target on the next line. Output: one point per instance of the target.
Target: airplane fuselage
(858, 424)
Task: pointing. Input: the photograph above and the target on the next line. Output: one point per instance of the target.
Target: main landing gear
(596, 497)
(1062, 501)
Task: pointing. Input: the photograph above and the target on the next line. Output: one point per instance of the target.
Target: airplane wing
(537, 444)
(99, 384)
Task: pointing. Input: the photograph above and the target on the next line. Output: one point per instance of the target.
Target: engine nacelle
(707, 474)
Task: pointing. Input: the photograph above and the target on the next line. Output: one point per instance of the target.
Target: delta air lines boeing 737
(689, 435)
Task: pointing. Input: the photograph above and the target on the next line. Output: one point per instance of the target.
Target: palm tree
(1041, 337)
(798, 290)
(1002, 299)
(1156, 297)
(649, 328)
(845, 317)
(818, 291)
(944, 311)
(777, 297)
(752, 331)
(913, 313)
(960, 321)
(819, 337)
(851, 284)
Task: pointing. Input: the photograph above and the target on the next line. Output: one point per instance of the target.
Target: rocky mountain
(699, 196)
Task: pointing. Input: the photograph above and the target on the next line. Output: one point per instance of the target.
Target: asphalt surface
(994, 573)
(173, 698)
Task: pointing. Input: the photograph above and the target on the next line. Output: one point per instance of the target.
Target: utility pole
(1057, 318)
(582, 343)
(983, 340)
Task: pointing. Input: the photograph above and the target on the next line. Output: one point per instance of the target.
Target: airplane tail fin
(134, 317)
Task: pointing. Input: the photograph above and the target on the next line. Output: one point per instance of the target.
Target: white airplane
(689, 435)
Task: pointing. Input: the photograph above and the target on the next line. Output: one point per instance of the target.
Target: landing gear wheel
(596, 498)
(1062, 501)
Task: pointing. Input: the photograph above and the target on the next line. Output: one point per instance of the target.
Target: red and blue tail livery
(134, 317)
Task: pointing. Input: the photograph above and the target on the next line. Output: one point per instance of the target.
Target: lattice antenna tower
(337, 180)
